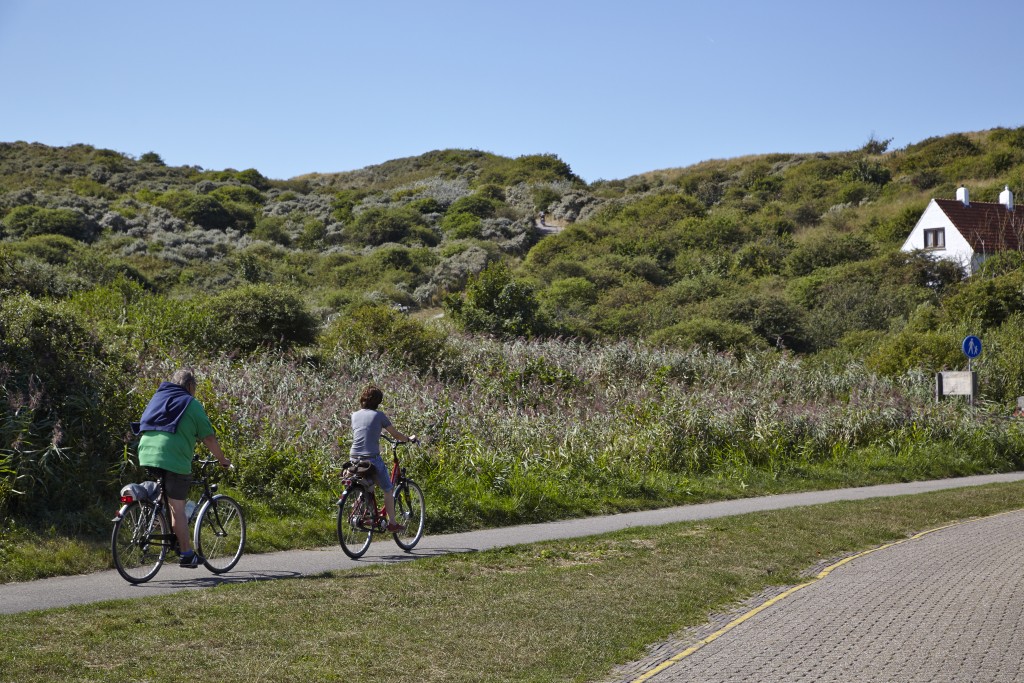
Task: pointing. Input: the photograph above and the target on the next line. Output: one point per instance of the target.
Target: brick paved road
(948, 606)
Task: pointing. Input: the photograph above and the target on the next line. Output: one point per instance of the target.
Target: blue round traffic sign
(972, 346)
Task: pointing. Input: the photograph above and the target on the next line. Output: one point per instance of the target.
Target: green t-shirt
(173, 452)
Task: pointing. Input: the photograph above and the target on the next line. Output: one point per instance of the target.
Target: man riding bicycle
(170, 427)
(367, 425)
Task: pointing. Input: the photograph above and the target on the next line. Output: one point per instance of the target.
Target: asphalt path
(108, 585)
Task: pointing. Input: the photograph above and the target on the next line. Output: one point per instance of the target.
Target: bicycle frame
(380, 511)
(361, 517)
(170, 541)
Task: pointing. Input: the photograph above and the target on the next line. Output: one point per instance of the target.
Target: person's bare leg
(389, 506)
(180, 527)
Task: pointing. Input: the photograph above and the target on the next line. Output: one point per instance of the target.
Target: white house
(968, 232)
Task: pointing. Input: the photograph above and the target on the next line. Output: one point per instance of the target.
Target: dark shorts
(176, 485)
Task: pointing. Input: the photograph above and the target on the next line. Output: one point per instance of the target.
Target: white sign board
(961, 383)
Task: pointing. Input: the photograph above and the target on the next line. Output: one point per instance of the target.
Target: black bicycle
(359, 516)
(142, 535)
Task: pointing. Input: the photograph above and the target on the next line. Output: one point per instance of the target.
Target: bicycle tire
(410, 510)
(136, 558)
(354, 534)
(220, 533)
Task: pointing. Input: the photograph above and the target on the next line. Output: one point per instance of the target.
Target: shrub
(313, 234)
(987, 302)
(29, 220)
(719, 335)
(765, 257)
(62, 397)
(258, 316)
(495, 303)
(368, 329)
(771, 317)
(827, 250)
(544, 197)
(378, 226)
(660, 210)
(477, 205)
(1001, 367)
(200, 209)
(567, 301)
(462, 226)
(239, 193)
(272, 229)
(909, 350)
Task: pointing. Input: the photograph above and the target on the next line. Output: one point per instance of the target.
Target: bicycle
(142, 535)
(360, 517)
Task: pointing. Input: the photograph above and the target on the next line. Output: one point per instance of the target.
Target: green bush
(368, 329)
(827, 250)
(64, 405)
(987, 302)
(1001, 366)
(29, 220)
(462, 226)
(272, 229)
(910, 350)
(258, 316)
(494, 302)
(764, 257)
(566, 302)
(138, 322)
(378, 226)
(719, 335)
(313, 234)
(544, 197)
(779, 322)
(245, 194)
(200, 209)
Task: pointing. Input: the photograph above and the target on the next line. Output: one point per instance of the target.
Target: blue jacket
(165, 409)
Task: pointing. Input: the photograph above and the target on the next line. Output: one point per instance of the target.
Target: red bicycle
(360, 517)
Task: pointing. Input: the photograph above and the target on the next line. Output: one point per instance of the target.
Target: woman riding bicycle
(170, 427)
(367, 425)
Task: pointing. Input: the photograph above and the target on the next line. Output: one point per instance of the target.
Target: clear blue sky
(612, 88)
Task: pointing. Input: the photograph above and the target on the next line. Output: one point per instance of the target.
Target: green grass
(556, 611)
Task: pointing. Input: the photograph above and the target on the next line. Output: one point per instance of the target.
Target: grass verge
(556, 611)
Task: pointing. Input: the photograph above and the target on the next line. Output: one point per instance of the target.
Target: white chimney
(962, 195)
(1006, 198)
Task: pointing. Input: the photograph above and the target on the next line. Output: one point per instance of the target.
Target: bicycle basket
(359, 472)
(144, 492)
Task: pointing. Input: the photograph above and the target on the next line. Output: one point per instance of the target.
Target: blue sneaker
(190, 560)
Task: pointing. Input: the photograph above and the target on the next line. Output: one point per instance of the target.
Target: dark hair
(371, 397)
(185, 378)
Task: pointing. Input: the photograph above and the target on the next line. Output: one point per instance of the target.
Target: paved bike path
(108, 585)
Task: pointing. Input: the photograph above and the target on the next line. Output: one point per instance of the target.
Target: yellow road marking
(785, 594)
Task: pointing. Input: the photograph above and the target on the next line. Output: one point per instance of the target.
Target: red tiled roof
(987, 226)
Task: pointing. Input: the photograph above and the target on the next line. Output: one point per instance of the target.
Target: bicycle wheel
(411, 512)
(220, 533)
(355, 509)
(136, 556)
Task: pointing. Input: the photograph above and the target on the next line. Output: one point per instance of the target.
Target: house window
(935, 238)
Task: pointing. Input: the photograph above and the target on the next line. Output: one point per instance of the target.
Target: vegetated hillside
(794, 251)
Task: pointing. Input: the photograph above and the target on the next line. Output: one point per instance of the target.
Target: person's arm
(399, 435)
(214, 446)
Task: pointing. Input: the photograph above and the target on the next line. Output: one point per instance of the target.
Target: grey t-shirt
(366, 428)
